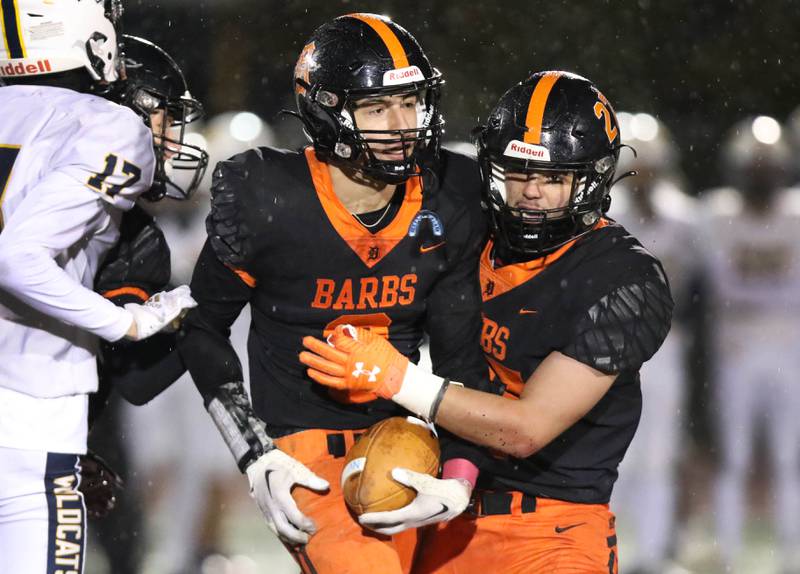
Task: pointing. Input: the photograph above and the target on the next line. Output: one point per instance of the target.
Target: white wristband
(418, 391)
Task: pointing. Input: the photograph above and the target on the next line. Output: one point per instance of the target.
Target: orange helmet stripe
(389, 38)
(533, 121)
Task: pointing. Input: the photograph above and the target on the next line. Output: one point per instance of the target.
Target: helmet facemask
(537, 232)
(348, 144)
(156, 89)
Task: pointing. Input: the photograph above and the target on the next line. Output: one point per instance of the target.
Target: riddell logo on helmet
(23, 69)
(403, 76)
(522, 150)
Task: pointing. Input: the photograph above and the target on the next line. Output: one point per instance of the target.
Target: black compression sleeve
(204, 343)
(143, 370)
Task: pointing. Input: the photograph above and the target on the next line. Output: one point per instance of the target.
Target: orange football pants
(340, 545)
(556, 538)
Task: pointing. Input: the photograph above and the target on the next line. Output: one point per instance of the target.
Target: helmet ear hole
(319, 122)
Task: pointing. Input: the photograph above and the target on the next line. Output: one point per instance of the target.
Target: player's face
(160, 125)
(388, 113)
(539, 189)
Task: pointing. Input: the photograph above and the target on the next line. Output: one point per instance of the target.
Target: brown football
(367, 480)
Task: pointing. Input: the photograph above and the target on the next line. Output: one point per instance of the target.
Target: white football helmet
(49, 36)
(656, 150)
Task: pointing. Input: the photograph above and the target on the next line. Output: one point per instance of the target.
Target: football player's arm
(79, 197)
(618, 332)
(558, 394)
(137, 267)
(222, 288)
(55, 216)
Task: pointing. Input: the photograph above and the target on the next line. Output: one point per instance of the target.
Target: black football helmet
(552, 121)
(154, 82)
(362, 56)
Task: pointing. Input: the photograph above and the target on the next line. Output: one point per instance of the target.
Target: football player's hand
(355, 360)
(99, 485)
(272, 477)
(437, 501)
(162, 311)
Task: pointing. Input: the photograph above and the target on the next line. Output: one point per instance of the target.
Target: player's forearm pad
(243, 432)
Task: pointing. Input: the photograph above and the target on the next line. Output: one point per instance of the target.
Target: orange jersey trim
(396, 50)
(370, 248)
(536, 107)
(248, 279)
(506, 278)
(135, 291)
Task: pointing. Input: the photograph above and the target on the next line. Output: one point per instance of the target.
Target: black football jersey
(280, 240)
(602, 300)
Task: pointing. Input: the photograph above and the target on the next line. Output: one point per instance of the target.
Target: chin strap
(243, 432)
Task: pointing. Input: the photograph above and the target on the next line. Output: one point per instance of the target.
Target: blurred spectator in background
(654, 207)
(751, 231)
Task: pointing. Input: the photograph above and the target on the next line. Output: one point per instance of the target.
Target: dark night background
(698, 66)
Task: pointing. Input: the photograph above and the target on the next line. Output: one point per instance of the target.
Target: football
(367, 480)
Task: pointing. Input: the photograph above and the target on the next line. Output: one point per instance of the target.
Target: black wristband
(438, 401)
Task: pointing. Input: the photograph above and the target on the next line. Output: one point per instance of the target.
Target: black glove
(99, 485)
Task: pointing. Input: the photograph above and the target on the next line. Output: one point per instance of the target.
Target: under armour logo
(373, 253)
(373, 374)
(489, 288)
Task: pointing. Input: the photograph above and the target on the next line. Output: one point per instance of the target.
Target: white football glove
(437, 501)
(160, 310)
(272, 477)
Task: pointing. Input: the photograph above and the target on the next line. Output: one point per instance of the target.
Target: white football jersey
(669, 233)
(69, 164)
(753, 260)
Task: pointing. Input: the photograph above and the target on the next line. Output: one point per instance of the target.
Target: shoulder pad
(140, 259)
(226, 223)
(625, 327)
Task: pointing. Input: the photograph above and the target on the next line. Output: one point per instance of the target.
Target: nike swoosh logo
(560, 529)
(528, 311)
(424, 249)
(444, 510)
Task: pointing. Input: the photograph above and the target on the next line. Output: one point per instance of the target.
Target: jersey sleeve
(204, 341)
(109, 152)
(622, 328)
(58, 214)
(227, 224)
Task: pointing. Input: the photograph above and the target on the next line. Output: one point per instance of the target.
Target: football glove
(99, 485)
(162, 311)
(272, 477)
(437, 500)
(356, 359)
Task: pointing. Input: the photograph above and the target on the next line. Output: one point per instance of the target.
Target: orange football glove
(359, 360)
(352, 397)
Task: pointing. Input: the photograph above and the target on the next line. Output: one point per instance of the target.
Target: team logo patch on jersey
(426, 215)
